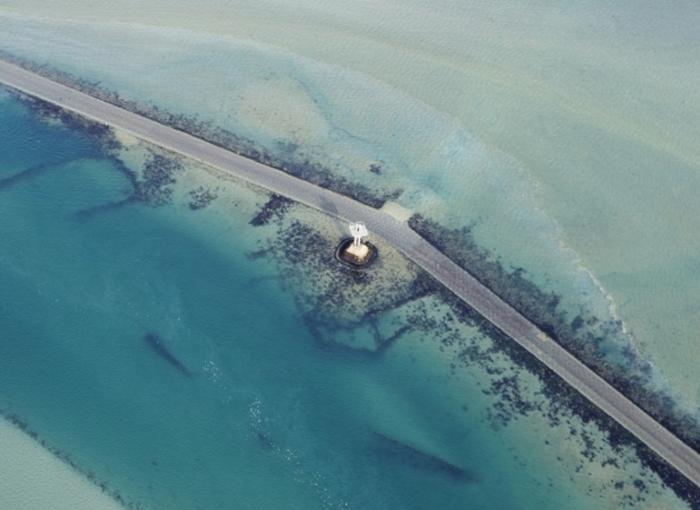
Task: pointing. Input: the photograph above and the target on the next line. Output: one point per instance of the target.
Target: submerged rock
(156, 344)
(408, 455)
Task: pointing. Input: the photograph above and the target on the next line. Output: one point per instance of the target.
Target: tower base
(355, 255)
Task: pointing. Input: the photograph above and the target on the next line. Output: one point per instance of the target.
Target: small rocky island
(354, 251)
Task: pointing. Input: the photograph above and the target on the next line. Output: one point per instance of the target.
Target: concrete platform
(355, 255)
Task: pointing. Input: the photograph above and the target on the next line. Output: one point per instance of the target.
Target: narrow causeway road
(397, 233)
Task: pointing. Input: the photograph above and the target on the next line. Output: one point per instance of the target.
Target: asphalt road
(397, 233)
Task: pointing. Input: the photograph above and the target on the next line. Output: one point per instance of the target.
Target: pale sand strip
(32, 478)
(397, 233)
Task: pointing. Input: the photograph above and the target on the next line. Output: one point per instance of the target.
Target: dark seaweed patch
(201, 198)
(542, 310)
(275, 207)
(325, 178)
(131, 177)
(258, 254)
(341, 298)
(158, 175)
(152, 187)
(29, 173)
(375, 168)
(292, 163)
(86, 214)
(684, 488)
(341, 305)
(103, 133)
(561, 397)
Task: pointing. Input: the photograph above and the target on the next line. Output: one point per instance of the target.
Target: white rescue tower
(357, 252)
(358, 231)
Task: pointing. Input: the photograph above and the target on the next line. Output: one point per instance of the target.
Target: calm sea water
(565, 135)
(132, 342)
(257, 416)
(571, 157)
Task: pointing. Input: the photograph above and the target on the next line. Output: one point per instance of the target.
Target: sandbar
(32, 478)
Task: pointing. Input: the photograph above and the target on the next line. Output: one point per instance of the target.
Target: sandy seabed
(32, 478)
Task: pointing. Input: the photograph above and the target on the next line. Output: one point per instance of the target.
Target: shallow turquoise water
(563, 134)
(249, 411)
(259, 417)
